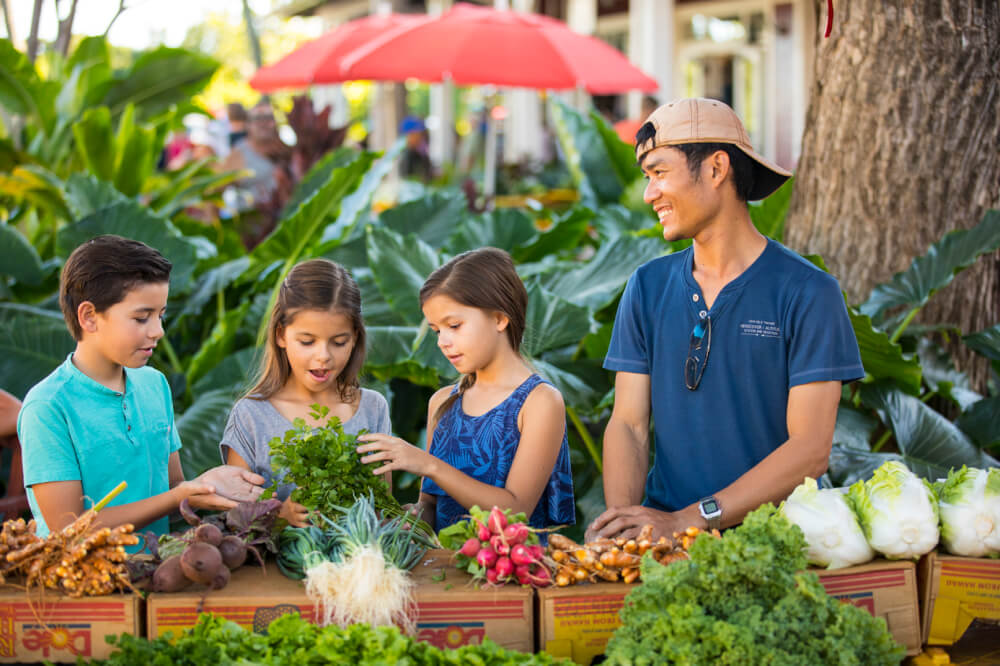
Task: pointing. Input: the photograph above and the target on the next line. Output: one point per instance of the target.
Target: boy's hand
(296, 514)
(234, 483)
(203, 496)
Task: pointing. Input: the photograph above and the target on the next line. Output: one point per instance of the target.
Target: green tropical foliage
(82, 165)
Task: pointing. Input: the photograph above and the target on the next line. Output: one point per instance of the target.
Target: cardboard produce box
(56, 628)
(576, 622)
(886, 589)
(449, 612)
(954, 591)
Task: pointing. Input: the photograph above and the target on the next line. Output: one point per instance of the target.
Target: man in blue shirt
(736, 347)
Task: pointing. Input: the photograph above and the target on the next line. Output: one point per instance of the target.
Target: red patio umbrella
(318, 61)
(472, 45)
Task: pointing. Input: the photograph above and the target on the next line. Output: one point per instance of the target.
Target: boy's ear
(86, 316)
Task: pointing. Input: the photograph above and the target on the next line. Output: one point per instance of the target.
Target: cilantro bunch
(744, 599)
(326, 469)
(292, 640)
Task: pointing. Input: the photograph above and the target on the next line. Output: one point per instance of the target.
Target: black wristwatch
(711, 511)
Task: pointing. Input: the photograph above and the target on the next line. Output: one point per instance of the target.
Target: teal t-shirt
(73, 428)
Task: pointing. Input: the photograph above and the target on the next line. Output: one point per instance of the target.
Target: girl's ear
(279, 337)
(86, 316)
(502, 320)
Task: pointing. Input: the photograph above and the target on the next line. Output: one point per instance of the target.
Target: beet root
(221, 579)
(201, 562)
(169, 577)
(208, 533)
(234, 551)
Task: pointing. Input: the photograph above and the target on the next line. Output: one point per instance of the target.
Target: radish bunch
(497, 547)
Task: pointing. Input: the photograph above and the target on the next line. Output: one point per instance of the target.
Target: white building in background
(756, 55)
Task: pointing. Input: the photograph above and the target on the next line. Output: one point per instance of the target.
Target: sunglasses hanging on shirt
(698, 349)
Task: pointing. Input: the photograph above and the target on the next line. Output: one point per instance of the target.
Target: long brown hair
(484, 279)
(317, 284)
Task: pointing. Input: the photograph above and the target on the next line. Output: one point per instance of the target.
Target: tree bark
(902, 144)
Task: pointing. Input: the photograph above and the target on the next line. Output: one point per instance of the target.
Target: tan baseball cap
(700, 120)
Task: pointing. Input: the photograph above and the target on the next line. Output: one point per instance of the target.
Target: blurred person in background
(415, 162)
(263, 159)
(237, 115)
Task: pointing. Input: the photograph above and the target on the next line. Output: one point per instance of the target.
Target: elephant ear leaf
(912, 288)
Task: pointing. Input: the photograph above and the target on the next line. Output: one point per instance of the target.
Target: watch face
(709, 506)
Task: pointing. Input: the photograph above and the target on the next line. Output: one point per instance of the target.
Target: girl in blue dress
(498, 437)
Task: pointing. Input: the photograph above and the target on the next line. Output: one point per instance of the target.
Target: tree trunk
(902, 144)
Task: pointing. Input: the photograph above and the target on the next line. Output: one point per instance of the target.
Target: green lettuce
(969, 502)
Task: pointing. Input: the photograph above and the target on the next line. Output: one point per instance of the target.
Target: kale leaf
(744, 599)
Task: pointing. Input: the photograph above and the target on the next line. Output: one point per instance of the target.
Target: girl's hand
(296, 514)
(395, 453)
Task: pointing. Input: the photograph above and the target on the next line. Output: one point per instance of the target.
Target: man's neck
(98, 367)
(727, 246)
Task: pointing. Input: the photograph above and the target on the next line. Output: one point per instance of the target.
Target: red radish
(482, 531)
(520, 554)
(524, 578)
(522, 570)
(491, 575)
(499, 545)
(536, 552)
(486, 558)
(497, 521)
(541, 577)
(504, 567)
(516, 533)
(470, 547)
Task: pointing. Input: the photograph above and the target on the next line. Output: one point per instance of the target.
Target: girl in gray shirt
(314, 352)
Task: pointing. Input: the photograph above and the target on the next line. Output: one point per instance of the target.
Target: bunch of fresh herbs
(325, 467)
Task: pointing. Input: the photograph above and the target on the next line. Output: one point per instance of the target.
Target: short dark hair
(103, 270)
(739, 162)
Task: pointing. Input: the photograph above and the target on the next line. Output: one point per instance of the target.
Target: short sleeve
(822, 345)
(175, 435)
(627, 351)
(384, 421)
(47, 449)
(235, 437)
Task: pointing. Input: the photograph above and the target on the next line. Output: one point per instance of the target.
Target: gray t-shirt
(254, 423)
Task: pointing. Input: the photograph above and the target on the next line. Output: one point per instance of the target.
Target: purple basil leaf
(247, 516)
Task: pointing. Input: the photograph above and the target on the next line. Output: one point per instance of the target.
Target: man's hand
(626, 521)
(202, 496)
(234, 483)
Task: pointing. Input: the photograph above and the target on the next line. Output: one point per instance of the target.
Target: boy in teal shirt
(102, 417)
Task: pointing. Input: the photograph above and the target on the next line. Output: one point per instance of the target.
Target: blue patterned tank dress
(484, 446)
